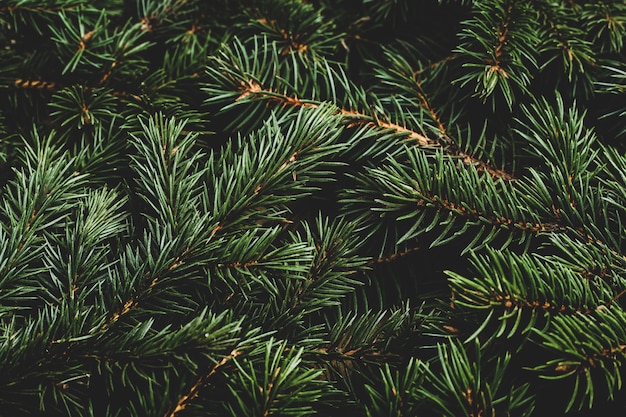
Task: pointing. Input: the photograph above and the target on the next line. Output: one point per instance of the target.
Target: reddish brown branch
(431, 111)
(435, 64)
(35, 84)
(617, 297)
(53, 9)
(243, 265)
(613, 351)
(133, 301)
(252, 89)
(486, 167)
(444, 204)
(361, 119)
(108, 73)
(393, 257)
(82, 43)
(503, 34)
(508, 302)
(193, 391)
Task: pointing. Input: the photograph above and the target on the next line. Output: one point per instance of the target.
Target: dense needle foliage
(312, 207)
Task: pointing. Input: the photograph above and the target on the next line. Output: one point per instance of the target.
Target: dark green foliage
(295, 208)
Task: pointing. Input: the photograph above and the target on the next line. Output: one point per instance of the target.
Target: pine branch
(602, 352)
(254, 91)
(201, 382)
(501, 57)
(36, 84)
(239, 81)
(393, 257)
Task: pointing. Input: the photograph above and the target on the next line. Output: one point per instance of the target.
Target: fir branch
(433, 65)
(499, 45)
(193, 392)
(503, 35)
(36, 84)
(148, 283)
(427, 106)
(576, 51)
(414, 192)
(253, 91)
(257, 81)
(602, 352)
(298, 27)
(394, 256)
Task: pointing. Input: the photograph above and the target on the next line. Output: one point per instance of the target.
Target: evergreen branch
(360, 338)
(606, 20)
(293, 44)
(590, 259)
(552, 21)
(523, 288)
(273, 167)
(400, 83)
(503, 35)
(274, 379)
(55, 86)
(257, 175)
(499, 43)
(296, 26)
(154, 14)
(36, 202)
(584, 345)
(240, 77)
(36, 85)
(433, 114)
(151, 273)
(403, 89)
(201, 382)
(459, 385)
(393, 257)
(108, 72)
(444, 192)
(433, 65)
(257, 253)
(356, 118)
(253, 91)
(575, 49)
(329, 277)
(399, 77)
(168, 171)
(398, 393)
(567, 183)
(74, 259)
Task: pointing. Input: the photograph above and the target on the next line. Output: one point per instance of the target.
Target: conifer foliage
(312, 207)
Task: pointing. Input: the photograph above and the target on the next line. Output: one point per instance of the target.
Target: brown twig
(562, 40)
(441, 203)
(82, 43)
(35, 84)
(503, 34)
(435, 64)
(133, 301)
(393, 257)
(193, 391)
(252, 89)
(52, 9)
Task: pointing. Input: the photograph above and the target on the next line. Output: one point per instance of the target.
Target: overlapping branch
(254, 91)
